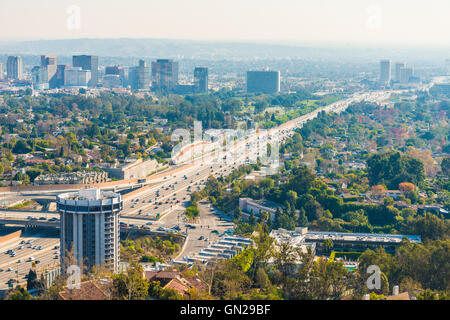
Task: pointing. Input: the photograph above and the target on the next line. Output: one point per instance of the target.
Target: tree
(378, 190)
(238, 214)
(406, 187)
(192, 212)
(251, 218)
(132, 285)
(388, 201)
(21, 147)
(32, 281)
(392, 168)
(302, 219)
(20, 294)
(328, 245)
(445, 166)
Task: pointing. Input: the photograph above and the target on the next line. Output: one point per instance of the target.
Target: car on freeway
(42, 218)
(56, 247)
(37, 262)
(9, 269)
(39, 248)
(201, 238)
(20, 248)
(56, 257)
(19, 261)
(149, 223)
(161, 229)
(30, 259)
(176, 228)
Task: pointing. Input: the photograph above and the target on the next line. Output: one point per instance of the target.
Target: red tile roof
(88, 291)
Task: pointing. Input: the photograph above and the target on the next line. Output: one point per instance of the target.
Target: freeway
(27, 253)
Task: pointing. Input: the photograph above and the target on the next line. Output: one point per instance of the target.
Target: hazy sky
(345, 21)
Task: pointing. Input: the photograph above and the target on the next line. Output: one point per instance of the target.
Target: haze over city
(368, 22)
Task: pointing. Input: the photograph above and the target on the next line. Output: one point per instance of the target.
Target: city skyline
(359, 22)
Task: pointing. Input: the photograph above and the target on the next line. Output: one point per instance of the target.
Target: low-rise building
(132, 169)
(342, 241)
(72, 178)
(258, 206)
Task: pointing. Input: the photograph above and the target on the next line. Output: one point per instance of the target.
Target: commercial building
(1, 71)
(385, 71)
(139, 76)
(398, 66)
(60, 69)
(164, 75)
(267, 82)
(201, 80)
(39, 78)
(50, 67)
(406, 74)
(132, 169)
(111, 81)
(258, 206)
(14, 68)
(90, 228)
(76, 77)
(88, 63)
(78, 177)
(346, 242)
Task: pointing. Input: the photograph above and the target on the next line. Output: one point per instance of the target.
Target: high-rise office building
(49, 64)
(39, 78)
(164, 74)
(1, 71)
(90, 227)
(398, 66)
(263, 81)
(201, 80)
(139, 77)
(60, 74)
(76, 77)
(385, 71)
(88, 63)
(14, 68)
(406, 74)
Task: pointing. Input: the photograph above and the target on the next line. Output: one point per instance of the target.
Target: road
(46, 256)
(198, 238)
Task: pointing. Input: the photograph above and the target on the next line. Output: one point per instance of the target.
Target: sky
(414, 22)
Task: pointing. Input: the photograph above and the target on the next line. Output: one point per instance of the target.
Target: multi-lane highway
(17, 256)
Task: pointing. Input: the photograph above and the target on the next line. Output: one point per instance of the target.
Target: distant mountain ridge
(195, 49)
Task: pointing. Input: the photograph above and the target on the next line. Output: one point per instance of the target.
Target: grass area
(22, 205)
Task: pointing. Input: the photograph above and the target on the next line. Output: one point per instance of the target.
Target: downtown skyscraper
(87, 63)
